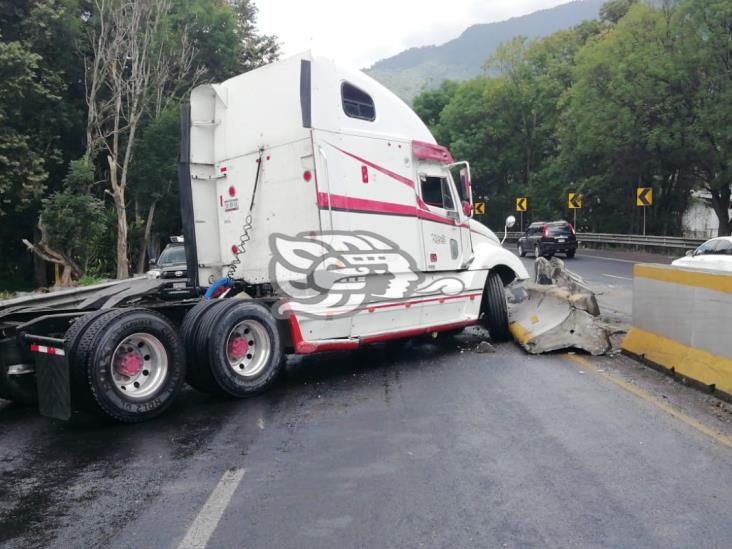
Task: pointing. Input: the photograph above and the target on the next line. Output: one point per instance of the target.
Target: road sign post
(574, 203)
(644, 199)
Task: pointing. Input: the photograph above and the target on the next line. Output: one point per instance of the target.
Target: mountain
(415, 69)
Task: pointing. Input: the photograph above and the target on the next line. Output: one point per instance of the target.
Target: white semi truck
(319, 214)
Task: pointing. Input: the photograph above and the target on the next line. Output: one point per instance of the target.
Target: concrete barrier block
(682, 321)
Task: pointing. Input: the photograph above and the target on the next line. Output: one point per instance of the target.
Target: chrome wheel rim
(248, 348)
(139, 366)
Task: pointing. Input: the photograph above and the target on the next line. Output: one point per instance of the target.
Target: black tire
(258, 329)
(521, 250)
(201, 377)
(93, 365)
(20, 389)
(495, 309)
(80, 338)
(198, 374)
(570, 254)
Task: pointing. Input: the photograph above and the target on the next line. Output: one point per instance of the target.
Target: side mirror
(467, 209)
(510, 222)
(465, 180)
(153, 260)
(689, 253)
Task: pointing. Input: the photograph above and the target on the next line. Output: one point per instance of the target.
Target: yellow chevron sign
(522, 204)
(644, 197)
(479, 208)
(574, 201)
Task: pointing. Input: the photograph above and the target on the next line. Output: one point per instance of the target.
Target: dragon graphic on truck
(335, 273)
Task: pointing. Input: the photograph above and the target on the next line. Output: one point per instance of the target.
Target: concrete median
(682, 322)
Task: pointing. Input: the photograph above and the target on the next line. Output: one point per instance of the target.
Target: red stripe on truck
(364, 205)
(407, 181)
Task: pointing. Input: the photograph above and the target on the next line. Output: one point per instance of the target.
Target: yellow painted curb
(693, 363)
(715, 282)
(519, 333)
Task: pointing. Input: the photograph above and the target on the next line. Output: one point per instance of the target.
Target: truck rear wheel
(203, 318)
(128, 365)
(198, 374)
(245, 349)
(495, 309)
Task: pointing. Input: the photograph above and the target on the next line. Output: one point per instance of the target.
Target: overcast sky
(360, 32)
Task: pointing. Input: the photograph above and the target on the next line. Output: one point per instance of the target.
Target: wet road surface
(425, 445)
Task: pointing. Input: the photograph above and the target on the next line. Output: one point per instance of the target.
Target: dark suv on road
(547, 238)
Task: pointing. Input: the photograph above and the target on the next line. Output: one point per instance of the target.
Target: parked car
(544, 239)
(172, 261)
(714, 254)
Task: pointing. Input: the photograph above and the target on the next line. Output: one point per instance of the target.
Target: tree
(68, 218)
(626, 123)
(705, 54)
(256, 49)
(134, 62)
(22, 163)
(614, 10)
(430, 103)
(41, 105)
(154, 174)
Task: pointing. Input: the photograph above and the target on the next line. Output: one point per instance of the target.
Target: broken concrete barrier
(560, 312)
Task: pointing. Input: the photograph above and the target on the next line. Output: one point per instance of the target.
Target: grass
(88, 280)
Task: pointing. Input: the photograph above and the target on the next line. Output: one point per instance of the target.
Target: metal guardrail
(640, 240)
(672, 242)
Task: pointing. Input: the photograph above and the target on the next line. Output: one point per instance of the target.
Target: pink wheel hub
(130, 364)
(238, 348)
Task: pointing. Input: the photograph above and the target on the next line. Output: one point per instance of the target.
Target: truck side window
(357, 103)
(436, 192)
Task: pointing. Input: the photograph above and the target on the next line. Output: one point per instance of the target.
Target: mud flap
(548, 318)
(53, 380)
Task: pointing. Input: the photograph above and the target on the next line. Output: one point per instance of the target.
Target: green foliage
(88, 280)
(641, 98)
(22, 163)
(72, 216)
(43, 115)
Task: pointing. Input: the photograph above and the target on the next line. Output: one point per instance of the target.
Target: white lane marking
(208, 518)
(620, 277)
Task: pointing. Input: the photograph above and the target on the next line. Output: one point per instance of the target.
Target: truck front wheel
(495, 309)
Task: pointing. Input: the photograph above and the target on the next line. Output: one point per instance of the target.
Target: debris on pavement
(558, 311)
(484, 347)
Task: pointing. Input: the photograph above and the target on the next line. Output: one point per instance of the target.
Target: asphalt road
(428, 445)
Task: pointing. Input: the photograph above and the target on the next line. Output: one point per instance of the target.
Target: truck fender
(490, 257)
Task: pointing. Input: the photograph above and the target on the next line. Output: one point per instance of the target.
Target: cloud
(361, 33)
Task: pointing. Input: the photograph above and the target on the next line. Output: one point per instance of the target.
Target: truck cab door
(440, 222)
